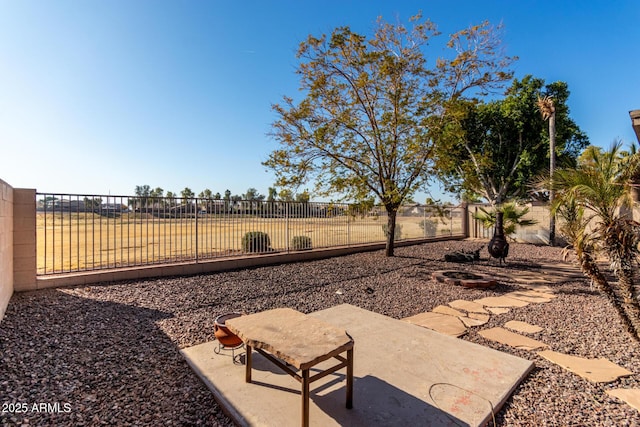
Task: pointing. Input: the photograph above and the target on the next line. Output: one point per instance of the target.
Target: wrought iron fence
(93, 232)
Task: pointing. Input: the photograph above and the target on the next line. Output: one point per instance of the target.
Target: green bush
(430, 227)
(256, 241)
(397, 233)
(301, 243)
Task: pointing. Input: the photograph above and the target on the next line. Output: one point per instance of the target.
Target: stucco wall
(24, 239)
(6, 246)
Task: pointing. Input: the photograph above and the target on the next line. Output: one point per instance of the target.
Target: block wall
(6, 246)
(24, 239)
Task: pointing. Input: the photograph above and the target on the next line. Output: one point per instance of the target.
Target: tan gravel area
(108, 354)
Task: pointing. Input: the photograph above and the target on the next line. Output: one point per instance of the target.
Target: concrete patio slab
(403, 375)
(595, 370)
(512, 339)
(631, 396)
(468, 306)
(523, 327)
(443, 323)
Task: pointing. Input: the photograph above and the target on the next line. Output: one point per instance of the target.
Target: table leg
(350, 378)
(247, 375)
(305, 398)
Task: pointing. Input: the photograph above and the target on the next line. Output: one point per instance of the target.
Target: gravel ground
(108, 354)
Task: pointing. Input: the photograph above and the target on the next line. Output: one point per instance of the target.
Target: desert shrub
(429, 226)
(256, 241)
(300, 243)
(397, 233)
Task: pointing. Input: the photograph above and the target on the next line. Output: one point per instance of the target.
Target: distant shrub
(430, 227)
(397, 233)
(256, 241)
(301, 243)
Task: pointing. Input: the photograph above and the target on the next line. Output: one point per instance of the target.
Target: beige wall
(17, 242)
(6, 246)
(24, 239)
(537, 234)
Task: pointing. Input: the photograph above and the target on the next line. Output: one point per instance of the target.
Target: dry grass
(86, 241)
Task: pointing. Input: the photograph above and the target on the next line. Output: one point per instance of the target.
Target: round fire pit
(464, 278)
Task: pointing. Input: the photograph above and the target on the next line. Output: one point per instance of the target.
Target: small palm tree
(594, 200)
(513, 217)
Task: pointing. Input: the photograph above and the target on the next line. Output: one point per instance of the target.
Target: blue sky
(97, 97)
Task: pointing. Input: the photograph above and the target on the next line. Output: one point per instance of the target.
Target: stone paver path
(512, 339)
(595, 370)
(443, 323)
(459, 315)
(468, 306)
(501, 301)
(498, 310)
(629, 395)
(523, 327)
(529, 296)
(443, 309)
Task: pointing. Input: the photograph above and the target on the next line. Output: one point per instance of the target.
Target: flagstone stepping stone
(501, 301)
(595, 370)
(498, 310)
(443, 323)
(530, 278)
(631, 396)
(512, 339)
(535, 293)
(468, 320)
(528, 298)
(537, 287)
(468, 306)
(479, 316)
(472, 321)
(523, 327)
(443, 309)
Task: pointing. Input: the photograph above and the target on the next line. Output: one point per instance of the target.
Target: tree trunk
(552, 168)
(629, 295)
(391, 231)
(591, 270)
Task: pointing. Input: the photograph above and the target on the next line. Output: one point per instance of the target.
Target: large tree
(373, 107)
(494, 149)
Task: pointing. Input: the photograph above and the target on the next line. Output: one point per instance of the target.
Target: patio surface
(404, 374)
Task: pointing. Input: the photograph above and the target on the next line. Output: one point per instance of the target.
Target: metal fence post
(197, 240)
(286, 232)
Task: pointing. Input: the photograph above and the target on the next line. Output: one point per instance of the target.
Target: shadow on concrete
(378, 403)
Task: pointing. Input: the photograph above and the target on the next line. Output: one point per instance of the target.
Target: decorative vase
(224, 336)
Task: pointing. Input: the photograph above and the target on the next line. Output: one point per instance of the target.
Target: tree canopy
(494, 149)
(373, 107)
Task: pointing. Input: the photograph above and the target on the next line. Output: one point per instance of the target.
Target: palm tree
(595, 200)
(513, 217)
(548, 111)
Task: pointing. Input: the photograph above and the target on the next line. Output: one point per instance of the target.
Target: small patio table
(286, 336)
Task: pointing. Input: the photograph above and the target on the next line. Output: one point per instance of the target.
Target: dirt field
(86, 241)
